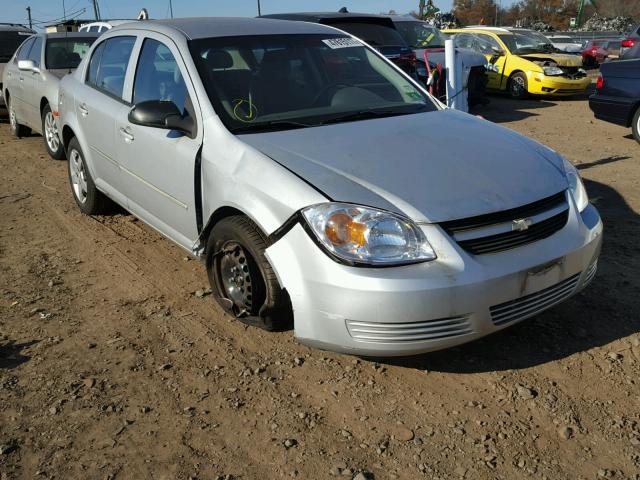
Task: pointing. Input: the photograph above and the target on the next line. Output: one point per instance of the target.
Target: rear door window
(108, 65)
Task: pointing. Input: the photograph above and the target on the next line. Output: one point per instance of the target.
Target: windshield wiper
(368, 114)
(274, 125)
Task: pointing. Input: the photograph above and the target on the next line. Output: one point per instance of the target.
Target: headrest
(219, 59)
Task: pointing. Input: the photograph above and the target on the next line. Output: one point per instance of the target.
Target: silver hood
(432, 167)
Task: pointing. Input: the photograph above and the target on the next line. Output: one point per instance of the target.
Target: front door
(15, 80)
(158, 164)
(32, 92)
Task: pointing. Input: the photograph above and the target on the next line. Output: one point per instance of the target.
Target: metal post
(96, 10)
(450, 62)
(171, 8)
(259, 10)
(29, 15)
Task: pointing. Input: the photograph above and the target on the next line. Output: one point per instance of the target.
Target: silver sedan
(30, 83)
(322, 186)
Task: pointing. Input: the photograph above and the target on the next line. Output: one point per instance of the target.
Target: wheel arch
(632, 113)
(218, 215)
(67, 135)
(44, 101)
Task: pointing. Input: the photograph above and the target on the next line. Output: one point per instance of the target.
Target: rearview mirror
(161, 114)
(27, 66)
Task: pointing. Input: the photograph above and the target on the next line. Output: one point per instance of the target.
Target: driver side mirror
(161, 114)
(27, 66)
(497, 53)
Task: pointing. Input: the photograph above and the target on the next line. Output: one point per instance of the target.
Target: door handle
(21, 79)
(83, 109)
(126, 134)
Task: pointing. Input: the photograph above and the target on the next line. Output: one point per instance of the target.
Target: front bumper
(430, 306)
(540, 84)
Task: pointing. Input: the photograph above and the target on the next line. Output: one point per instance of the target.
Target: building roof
(207, 27)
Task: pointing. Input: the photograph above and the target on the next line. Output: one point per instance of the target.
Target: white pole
(450, 62)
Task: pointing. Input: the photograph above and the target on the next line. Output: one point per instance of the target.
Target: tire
(17, 129)
(635, 125)
(241, 278)
(88, 198)
(52, 141)
(517, 86)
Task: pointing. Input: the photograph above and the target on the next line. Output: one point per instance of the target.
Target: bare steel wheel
(50, 132)
(238, 277)
(88, 198)
(242, 280)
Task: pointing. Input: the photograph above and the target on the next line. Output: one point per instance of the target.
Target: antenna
(259, 9)
(29, 15)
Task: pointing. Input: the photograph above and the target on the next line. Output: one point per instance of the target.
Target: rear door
(158, 165)
(31, 87)
(15, 79)
(98, 103)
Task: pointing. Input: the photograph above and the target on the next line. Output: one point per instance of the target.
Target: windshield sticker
(244, 110)
(335, 43)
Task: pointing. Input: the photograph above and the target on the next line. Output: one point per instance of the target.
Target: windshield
(527, 42)
(66, 53)
(420, 35)
(9, 43)
(275, 82)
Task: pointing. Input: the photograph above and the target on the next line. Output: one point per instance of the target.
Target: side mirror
(497, 53)
(161, 114)
(27, 66)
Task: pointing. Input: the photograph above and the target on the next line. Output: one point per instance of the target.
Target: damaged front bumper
(430, 306)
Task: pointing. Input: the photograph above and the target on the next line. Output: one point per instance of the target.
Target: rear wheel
(50, 133)
(242, 280)
(88, 198)
(635, 125)
(17, 130)
(518, 86)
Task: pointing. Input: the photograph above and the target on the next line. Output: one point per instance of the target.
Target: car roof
(207, 27)
(489, 29)
(333, 17)
(69, 34)
(14, 27)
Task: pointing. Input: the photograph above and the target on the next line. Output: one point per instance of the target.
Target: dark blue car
(617, 97)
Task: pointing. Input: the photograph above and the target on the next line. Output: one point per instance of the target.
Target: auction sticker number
(335, 43)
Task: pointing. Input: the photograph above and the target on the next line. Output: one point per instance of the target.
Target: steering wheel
(327, 89)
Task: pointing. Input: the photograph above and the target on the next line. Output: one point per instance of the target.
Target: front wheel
(635, 125)
(88, 198)
(50, 133)
(242, 280)
(518, 86)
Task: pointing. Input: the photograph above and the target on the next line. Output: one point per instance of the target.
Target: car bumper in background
(540, 84)
(618, 110)
(430, 306)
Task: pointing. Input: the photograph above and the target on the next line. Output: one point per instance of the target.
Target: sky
(45, 10)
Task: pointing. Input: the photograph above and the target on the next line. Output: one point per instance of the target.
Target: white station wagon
(322, 185)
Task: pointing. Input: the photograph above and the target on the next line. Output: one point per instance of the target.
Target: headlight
(552, 71)
(576, 186)
(366, 236)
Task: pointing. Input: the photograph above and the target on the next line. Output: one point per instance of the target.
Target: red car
(597, 51)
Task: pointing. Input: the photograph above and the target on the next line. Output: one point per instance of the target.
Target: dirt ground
(112, 367)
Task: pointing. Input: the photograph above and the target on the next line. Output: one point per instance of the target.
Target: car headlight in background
(367, 236)
(576, 186)
(552, 71)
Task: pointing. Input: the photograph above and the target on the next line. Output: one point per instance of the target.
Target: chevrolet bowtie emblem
(521, 224)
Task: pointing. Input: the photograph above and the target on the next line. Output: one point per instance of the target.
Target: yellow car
(523, 62)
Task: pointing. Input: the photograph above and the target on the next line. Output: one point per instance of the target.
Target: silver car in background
(11, 37)
(30, 83)
(322, 185)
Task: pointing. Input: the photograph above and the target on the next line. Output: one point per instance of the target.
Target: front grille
(409, 332)
(508, 240)
(524, 307)
(491, 243)
(573, 73)
(591, 272)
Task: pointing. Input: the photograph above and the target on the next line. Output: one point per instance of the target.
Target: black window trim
(88, 67)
